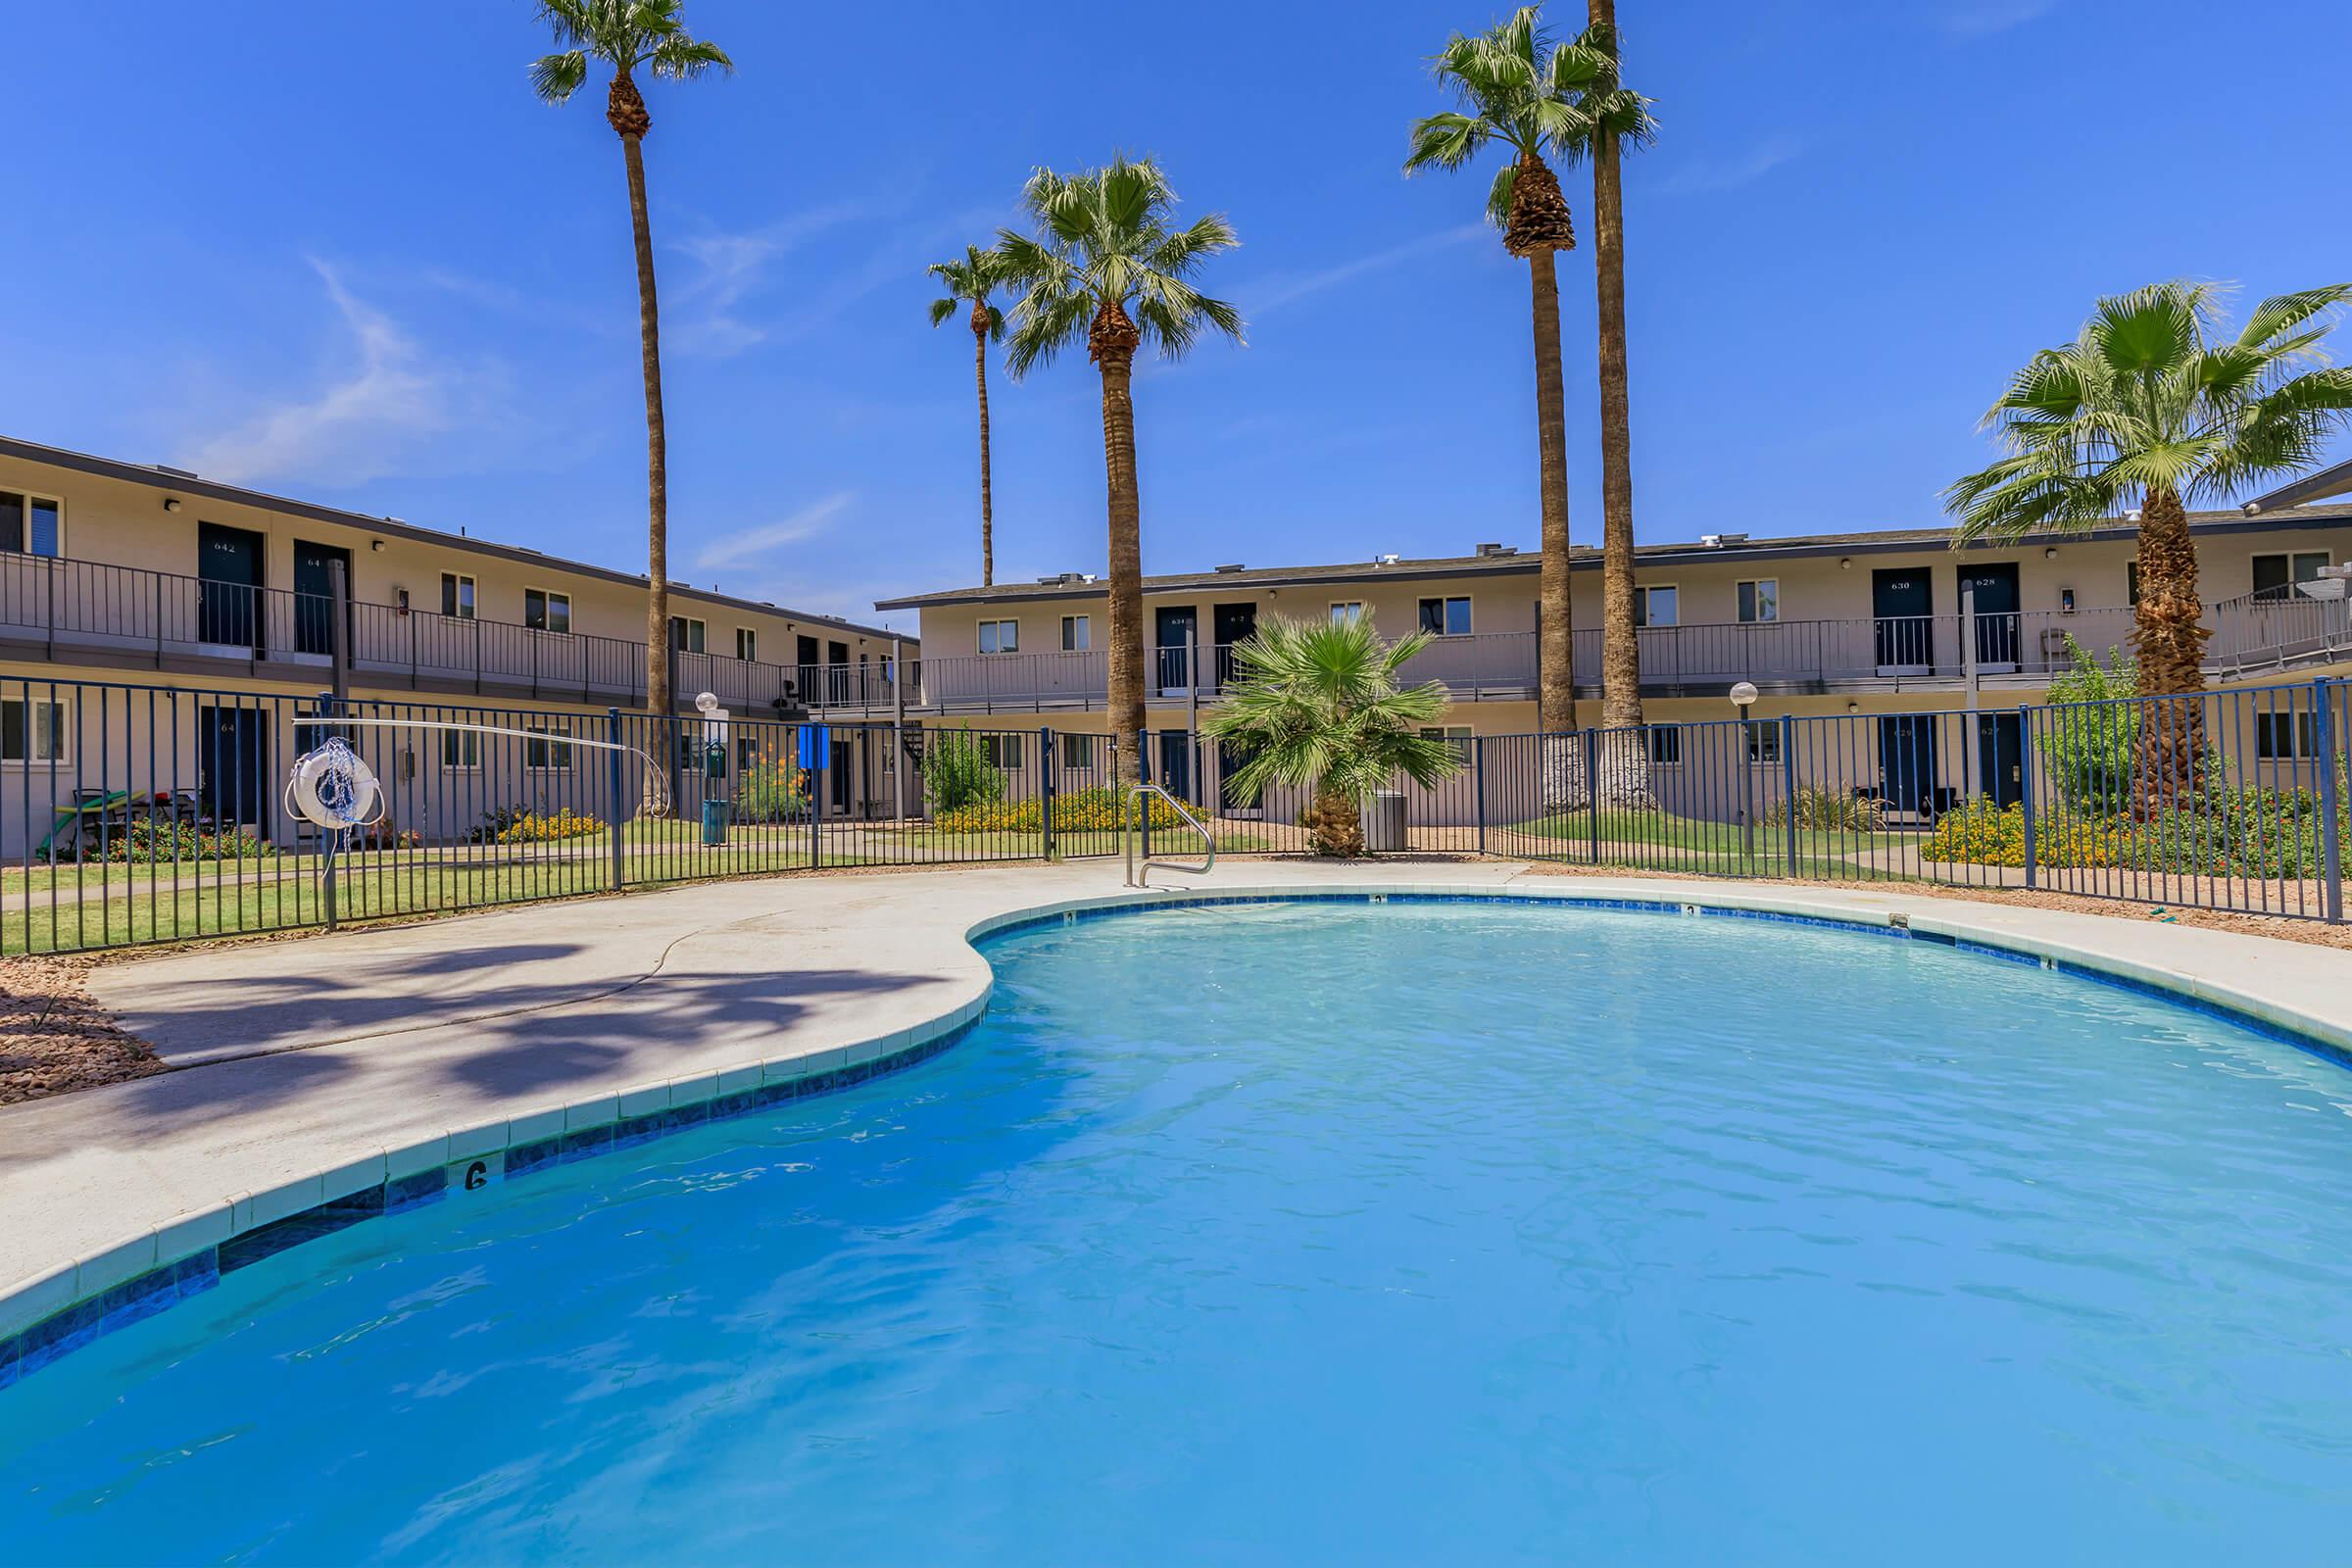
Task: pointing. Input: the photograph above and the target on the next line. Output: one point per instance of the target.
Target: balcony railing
(126, 615)
(1880, 651)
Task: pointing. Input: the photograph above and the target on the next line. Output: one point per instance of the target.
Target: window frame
(2302, 731)
(455, 745)
(681, 639)
(994, 631)
(1460, 736)
(31, 501)
(548, 740)
(547, 598)
(461, 596)
(1642, 618)
(2284, 593)
(1353, 610)
(1761, 731)
(1083, 626)
(1752, 601)
(1445, 604)
(992, 749)
(1067, 750)
(61, 709)
(1664, 744)
(746, 645)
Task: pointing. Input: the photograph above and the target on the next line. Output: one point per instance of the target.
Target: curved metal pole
(1130, 817)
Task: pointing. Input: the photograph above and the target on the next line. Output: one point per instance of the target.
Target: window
(1457, 734)
(1002, 750)
(2280, 737)
(31, 526)
(1345, 612)
(2276, 576)
(1445, 618)
(461, 749)
(1000, 636)
(1077, 633)
(1077, 752)
(747, 752)
(33, 731)
(542, 752)
(1760, 600)
(688, 636)
(1657, 604)
(1665, 742)
(457, 596)
(747, 644)
(1763, 740)
(542, 610)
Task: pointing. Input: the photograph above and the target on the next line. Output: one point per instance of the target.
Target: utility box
(715, 821)
(1383, 822)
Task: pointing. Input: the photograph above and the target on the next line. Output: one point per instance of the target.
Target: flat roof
(1587, 557)
(180, 482)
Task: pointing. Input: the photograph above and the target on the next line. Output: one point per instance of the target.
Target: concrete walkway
(311, 1058)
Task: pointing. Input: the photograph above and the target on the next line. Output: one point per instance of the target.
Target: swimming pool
(1319, 1232)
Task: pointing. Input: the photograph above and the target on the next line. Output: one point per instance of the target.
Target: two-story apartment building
(1888, 622)
(121, 580)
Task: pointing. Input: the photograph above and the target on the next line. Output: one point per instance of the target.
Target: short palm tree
(2154, 406)
(1518, 88)
(1110, 267)
(1318, 707)
(1613, 119)
(630, 35)
(971, 281)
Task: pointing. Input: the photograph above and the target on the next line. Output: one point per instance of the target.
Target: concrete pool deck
(315, 1067)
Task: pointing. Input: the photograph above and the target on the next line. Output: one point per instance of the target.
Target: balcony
(2250, 636)
(88, 612)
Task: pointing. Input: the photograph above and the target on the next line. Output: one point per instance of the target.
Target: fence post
(1143, 775)
(2025, 788)
(326, 846)
(2331, 801)
(820, 748)
(1592, 793)
(1045, 783)
(615, 781)
(1788, 786)
(1478, 785)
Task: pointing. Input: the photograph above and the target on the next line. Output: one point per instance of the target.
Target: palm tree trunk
(1556, 641)
(2170, 645)
(988, 543)
(657, 459)
(1126, 562)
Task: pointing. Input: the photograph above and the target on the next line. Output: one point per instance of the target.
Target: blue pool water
(1324, 1234)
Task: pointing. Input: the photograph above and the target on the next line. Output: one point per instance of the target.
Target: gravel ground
(53, 1038)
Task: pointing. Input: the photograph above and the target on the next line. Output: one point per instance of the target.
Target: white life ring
(333, 787)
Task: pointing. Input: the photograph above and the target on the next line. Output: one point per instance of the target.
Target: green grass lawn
(1664, 841)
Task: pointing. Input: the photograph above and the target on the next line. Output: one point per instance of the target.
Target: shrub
(957, 772)
(1092, 810)
(152, 840)
(1818, 807)
(772, 791)
(2090, 751)
(541, 827)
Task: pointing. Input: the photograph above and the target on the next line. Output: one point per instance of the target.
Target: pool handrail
(1135, 814)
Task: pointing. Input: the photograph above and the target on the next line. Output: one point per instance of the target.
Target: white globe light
(1744, 693)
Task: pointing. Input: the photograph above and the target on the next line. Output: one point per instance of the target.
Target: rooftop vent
(1386, 561)
(177, 473)
(1492, 550)
(1231, 567)
(1060, 577)
(1716, 541)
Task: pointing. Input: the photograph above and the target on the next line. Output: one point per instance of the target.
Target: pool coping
(48, 1316)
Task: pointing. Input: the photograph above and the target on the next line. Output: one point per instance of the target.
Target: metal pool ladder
(1133, 816)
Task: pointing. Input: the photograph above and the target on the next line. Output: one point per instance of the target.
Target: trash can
(1383, 822)
(715, 821)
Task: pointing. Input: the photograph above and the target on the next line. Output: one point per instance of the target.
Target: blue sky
(341, 252)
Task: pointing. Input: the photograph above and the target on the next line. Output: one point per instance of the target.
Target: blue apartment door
(1901, 601)
(1996, 601)
(229, 765)
(1176, 763)
(1174, 626)
(315, 596)
(228, 574)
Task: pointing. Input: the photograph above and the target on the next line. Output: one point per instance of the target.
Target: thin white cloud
(748, 546)
(1741, 168)
(380, 415)
(1982, 17)
(729, 269)
(1281, 289)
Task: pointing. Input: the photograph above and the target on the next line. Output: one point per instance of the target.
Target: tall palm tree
(1518, 88)
(1110, 267)
(2154, 406)
(1317, 706)
(630, 35)
(973, 281)
(1613, 118)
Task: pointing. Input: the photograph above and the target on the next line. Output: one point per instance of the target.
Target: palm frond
(556, 77)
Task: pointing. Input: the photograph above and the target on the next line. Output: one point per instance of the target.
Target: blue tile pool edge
(153, 1290)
